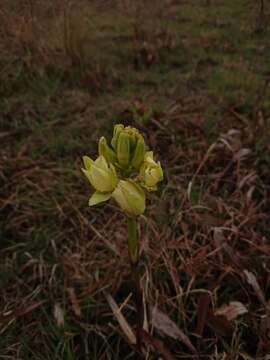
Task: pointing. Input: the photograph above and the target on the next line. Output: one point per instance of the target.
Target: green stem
(137, 291)
(132, 239)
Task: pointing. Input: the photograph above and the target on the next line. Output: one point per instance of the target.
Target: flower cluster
(123, 170)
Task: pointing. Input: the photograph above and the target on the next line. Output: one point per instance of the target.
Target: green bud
(123, 150)
(129, 147)
(139, 152)
(106, 151)
(130, 197)
(133, 134)
(116, 132)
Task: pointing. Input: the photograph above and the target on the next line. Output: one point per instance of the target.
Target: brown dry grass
(205, 236)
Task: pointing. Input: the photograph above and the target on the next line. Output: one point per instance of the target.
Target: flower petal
(98, 197)
(87, 161)
(101, 163)
(86, 173)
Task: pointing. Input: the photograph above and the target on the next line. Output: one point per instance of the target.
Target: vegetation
(193, 77)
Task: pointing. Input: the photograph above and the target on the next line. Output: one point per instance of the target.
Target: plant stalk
(137, 290)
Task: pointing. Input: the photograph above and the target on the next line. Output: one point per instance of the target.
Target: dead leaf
(74, 302)
(219, 324)
(231, 310)
(265, 248)
(206, 219)
(158, 345)
(241, 154)
(220, 240)
(28, 308)
(251, 279)
(59, 315)
(202, 311)
(120, 318)
(13, 314)
(164, 324)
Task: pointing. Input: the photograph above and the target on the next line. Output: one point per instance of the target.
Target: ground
(194, 77)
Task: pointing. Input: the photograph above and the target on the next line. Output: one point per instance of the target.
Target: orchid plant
(125, 171)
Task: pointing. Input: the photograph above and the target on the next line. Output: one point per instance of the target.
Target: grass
(194, 77)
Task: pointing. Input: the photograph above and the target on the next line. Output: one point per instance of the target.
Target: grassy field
(194, 77)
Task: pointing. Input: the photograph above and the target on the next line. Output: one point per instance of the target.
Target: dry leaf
(220, 240)
(202, 311)
(164, 324)
(11, 315)
(242, 154)
(120, 318)
(158, 345)
(58, 313)
(74, 302)
(219, 324)
(232, 310)
(251, 279)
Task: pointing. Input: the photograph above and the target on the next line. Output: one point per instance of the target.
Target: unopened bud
(139, 152)
(130, 197)
(106, 151)
(123, 150)
(116, 132)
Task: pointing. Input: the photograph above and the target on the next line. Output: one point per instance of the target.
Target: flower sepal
(98, 197)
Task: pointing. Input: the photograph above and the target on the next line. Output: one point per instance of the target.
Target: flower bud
(130, 197)
(129, 146)
(123, 149)
(106, 151)
(116, 132)
(101, 175)
(150, 172)
(133, 136)
(139, 152)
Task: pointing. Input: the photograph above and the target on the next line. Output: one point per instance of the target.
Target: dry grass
(202, 100)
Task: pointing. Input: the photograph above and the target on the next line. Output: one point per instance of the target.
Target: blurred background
(194, 77)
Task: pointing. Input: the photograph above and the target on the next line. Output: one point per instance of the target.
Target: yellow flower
(130, 197)
(128, 157)
(150, 172)
(101, 176)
